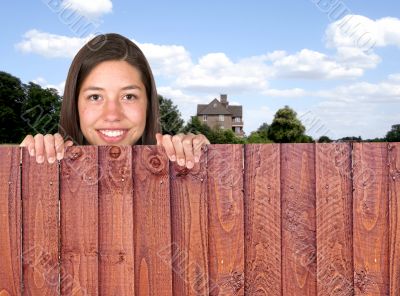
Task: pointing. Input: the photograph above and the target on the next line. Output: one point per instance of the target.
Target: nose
(112, 110)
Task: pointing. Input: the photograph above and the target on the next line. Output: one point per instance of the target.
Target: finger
(198, 143)
(178, 147)
(39, 148)
(29, 143)
(59, 145)
(188, 150)
(49, 145)
(166, 142)
(159, 138)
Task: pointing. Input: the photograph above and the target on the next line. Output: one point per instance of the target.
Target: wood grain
(334, 219)
(40, 183)
(189, 229)
(226, 219)
(394, 215)
(79, 221)
(262, 220)
(116, 245)
(298, 219)
(153, 269)
(370, 216)
(10, 221)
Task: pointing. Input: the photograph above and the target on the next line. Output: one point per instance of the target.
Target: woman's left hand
(183, 148)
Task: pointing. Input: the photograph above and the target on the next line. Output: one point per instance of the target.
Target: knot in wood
(155, 164)
(74, 153)
(115, 151)
(181, 172)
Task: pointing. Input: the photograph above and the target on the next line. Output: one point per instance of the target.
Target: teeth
(111, 133)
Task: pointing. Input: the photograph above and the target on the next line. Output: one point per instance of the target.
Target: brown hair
(100, 49)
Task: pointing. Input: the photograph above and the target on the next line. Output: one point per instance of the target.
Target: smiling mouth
(112, 136)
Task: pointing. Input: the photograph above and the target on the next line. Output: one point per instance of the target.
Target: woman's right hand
(46, 147)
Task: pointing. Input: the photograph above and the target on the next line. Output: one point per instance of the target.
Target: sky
(336, 63)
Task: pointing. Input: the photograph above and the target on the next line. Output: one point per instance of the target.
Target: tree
(170, 117)
(26, 109)
(41, 110)
(351, 139)
(12, 96)
(394, 134)
(287, 128)
(324, 139)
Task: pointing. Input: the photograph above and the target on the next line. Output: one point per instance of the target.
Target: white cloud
(168, 60)
(91, 9)
(44, 84)
(361, 32)
(285, 93)
(309, 64)
(50, 45)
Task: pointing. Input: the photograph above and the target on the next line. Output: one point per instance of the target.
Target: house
(218, 114)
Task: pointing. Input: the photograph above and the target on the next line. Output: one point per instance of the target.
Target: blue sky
(335, 62)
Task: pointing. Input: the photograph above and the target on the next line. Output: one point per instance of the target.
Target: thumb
(159, 138)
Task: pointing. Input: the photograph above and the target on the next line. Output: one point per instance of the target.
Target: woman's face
(112, 104)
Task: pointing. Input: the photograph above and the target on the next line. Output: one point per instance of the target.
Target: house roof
(213, 108)
(216, 108)
(236, 111)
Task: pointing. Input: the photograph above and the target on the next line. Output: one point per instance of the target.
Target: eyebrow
(129, 87)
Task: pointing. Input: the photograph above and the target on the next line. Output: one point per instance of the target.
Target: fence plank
(298, 224)
(153, 269)
(334, 220)
(116, 248)
(40, 183)
(10, 221)
(189, 229)
(79, 222)
(226, 219)
(394, 215)
(370, 227)
(262, 220)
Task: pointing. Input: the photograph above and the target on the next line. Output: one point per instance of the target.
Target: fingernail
(173, 158)
(181, 162)
(196, 159)
(51, 159)
(40, 159)
(189, 165)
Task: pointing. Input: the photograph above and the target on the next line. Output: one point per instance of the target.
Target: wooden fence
(270, 219)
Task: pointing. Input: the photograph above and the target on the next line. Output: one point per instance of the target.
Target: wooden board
(10, 221)
(226, 219)
(371, 219)
(79, 221)
(262, 220)
(394, 214)
(299, 253)
(189, 215)
(116, 244)
(153, 263)
(334, 219)
(40, 183)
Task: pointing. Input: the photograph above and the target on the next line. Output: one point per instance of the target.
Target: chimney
(224, 100)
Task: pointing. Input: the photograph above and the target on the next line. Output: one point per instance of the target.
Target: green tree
(287, 128)
(41, 110)
(12, 97)
(170, 117)
(394, 134)
(324, 139)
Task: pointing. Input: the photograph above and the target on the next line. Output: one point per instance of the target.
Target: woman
(110, 98)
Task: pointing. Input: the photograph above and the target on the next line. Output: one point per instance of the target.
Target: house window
(221, 127)
(237, 119)
(221, 118)
(204, 117)
(237, 129)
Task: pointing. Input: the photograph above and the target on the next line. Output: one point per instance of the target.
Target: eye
(130, 97)
(94, 97)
